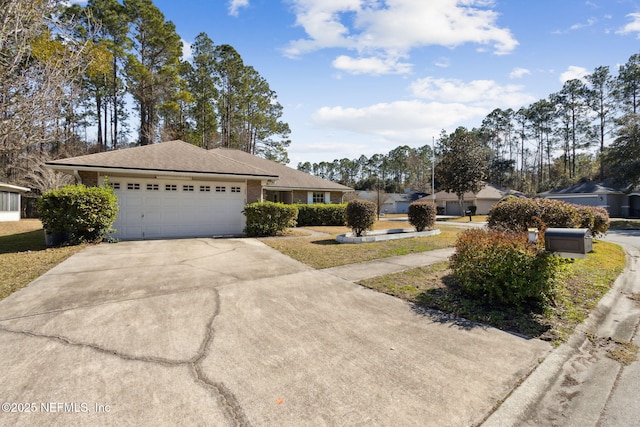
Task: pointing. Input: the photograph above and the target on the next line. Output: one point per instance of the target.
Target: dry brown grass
(324, 252)
(24, 255)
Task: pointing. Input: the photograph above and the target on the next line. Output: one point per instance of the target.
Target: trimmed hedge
(361, 215)
(85, 213)
(422, 215)
(268, 218)
(518, 214)
(321, 214)
(503, 267)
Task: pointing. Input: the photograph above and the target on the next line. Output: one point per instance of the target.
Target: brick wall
(254, 190)
(90, 179)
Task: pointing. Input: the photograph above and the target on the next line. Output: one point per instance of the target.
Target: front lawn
(324, 252)
(24, 255)
(581, 285)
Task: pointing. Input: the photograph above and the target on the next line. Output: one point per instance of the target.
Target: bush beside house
(321, 214)
(85, 214)
(269, 218)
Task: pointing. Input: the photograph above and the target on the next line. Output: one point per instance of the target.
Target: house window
(114, 185)
(9, 201)
(153, 187)
(170, 187)
(235, 189)
(205, 188)
(133, 186)
(318, 197)
(221, 189)
(187, 188)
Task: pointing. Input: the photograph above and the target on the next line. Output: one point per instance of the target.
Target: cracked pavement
(229, 332)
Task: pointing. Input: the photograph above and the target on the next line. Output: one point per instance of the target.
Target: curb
(525, 397)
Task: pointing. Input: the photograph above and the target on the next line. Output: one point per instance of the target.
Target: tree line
(586, 130)
(74, 78)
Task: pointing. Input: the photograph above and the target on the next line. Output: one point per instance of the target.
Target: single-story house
(10, 205)
(619, 201)
(391, 203)
(483, 200)
(175, 189)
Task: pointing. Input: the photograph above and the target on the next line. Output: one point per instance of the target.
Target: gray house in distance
(619, 201)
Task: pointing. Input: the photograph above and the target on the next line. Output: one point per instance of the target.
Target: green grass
(24, 255)
(579, 288)
(324, 252)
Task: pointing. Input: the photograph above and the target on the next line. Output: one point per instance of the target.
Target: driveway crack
(225, 397)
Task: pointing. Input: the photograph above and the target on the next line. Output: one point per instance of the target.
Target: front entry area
(169, 208)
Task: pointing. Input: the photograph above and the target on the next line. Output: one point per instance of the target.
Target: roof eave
(162, 172)
(284, 188)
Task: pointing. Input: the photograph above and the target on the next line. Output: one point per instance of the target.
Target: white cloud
(574, 72)
(371, 65)
(396, 121)
(518, 73)
(235, 5)
(392, 29)
(633, 26)
(481, 93)
(186, 50)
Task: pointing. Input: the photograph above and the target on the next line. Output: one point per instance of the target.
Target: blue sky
(365, 76)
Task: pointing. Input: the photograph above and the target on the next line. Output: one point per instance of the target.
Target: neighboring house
(10, 196)
(483, 200)
(391, 203)
(619, 201)
(175, 189)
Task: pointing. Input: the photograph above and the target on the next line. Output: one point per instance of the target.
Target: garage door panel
(151, 208)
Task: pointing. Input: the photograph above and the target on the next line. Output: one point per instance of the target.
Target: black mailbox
(568, 242)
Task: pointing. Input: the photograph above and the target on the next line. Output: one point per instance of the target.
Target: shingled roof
(288, 178)
(170, 156)
(590, 187)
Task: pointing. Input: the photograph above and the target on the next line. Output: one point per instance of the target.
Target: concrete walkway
(231, 332)
(384, 266)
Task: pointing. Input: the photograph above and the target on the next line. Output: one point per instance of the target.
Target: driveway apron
(231, 332)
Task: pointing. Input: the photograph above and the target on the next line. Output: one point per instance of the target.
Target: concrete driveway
(231, 332)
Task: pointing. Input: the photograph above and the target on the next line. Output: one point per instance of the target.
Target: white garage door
(155, 208)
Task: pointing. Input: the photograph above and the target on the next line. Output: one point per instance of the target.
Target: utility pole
(433, 169)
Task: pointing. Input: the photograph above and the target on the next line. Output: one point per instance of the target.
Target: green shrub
(360, 215)
(601, 221)
(422, 215)
(85, 213)
(504, 268)
(268, 218)
(321, 214)
(519, 214)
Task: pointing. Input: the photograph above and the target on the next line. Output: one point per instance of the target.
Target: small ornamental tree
(360, 216)
(422, 215)
(85, 213)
